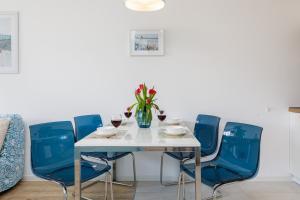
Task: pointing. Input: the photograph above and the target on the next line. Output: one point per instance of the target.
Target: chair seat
(54, 166)
(66, 175)
(213, 173)
(181, 155)
(184, 155)
(107, 156)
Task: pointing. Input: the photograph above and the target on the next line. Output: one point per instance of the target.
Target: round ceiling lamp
(145, 5)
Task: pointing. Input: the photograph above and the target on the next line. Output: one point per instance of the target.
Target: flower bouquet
(145, 103)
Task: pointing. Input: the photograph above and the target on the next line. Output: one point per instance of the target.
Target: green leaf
(145, 91)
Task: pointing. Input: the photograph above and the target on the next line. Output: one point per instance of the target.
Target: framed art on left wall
(9, 42)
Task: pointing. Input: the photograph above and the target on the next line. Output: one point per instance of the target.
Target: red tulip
(141, 86)
(148, 101)
(138, 91)
(152, 92)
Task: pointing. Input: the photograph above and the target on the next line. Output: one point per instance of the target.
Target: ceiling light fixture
(145, 5)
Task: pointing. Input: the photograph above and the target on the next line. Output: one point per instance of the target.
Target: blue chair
(237, 159)
(85, 125)
(52, 156)
(206, 131)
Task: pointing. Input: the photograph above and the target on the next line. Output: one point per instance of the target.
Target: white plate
(175, 130)
(173, 121)
(107, 131)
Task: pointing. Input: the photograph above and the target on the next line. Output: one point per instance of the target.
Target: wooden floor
(37, 190)
(154, 191)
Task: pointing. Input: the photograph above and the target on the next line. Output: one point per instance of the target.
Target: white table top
(132, 136)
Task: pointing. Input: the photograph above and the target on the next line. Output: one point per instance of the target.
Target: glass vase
(144, 119)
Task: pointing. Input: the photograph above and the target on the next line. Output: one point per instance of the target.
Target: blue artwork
(5, 43)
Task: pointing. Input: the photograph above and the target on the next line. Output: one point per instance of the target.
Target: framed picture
(147, 42)
(9, 44)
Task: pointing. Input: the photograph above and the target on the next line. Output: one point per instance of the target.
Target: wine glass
(161, 115)
(128, 114)
(116, 120)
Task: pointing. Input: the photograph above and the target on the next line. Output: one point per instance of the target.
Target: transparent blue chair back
(207, 131)
(84, 125)
(240, 147)
(48, 141)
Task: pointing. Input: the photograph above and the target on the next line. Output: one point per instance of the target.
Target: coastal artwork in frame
(9, 44)
(147, 43)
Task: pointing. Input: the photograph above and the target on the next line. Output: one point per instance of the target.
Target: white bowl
(175, 130)
(106, 131)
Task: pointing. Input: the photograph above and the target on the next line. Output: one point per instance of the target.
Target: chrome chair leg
(162, 170)
(108, 178)
(179, 186)
(88, 185)
(215, 193)
(111, 187)
(133, 168)
(134, 174)
(183, 186)
(64, 189)
(105, 193)
(114, 169)
(85, 198)
(213, 197)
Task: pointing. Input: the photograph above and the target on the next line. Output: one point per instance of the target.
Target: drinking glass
(161, 115)
(116, 120)
(127, 114)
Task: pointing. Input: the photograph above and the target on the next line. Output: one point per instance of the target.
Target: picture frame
(9, 42)
(147, 42)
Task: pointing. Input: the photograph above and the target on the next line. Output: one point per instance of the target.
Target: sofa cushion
(12, 153)
(4, 124)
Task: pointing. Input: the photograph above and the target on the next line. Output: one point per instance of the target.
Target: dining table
(131, 138)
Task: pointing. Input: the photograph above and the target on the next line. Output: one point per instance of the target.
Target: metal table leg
(197, 174)
(77, 174)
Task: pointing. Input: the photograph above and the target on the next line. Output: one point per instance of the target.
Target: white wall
(230, 58)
